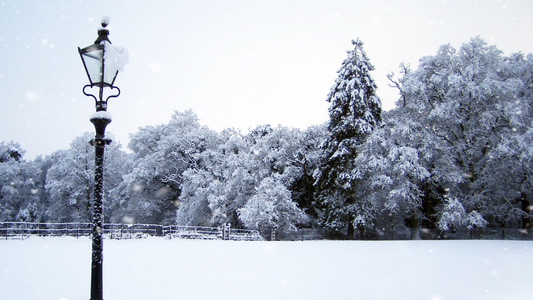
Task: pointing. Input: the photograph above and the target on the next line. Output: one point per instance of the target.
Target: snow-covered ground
(158, 268)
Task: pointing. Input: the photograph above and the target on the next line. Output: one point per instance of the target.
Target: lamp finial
(105, 21)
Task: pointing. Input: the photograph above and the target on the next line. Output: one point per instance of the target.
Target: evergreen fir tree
(354, 112)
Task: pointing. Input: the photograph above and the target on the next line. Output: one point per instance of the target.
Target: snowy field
(158, 268)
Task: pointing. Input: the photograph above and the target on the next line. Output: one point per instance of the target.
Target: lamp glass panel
(110, 71)
(93, 62)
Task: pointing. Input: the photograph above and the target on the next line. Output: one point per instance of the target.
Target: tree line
(455, 152)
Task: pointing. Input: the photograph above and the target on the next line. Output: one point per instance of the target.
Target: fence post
(226, 228)
(224, 232)
(273, 234)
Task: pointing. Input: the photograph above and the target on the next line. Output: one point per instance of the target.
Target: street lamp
(102, 62)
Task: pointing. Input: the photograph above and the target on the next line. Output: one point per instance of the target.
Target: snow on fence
(21, 230)
(224, 232)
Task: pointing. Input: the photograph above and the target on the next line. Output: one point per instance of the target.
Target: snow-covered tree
(474, 100)
(70, 180)
(307, 160)
(213, 193)
(150, 191)
(18, 188)
(508, 179)
(10, 151)
(272, 207)
(402, 169)
(355, 110)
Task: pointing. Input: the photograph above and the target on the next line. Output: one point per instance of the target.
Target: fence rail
(21, 230)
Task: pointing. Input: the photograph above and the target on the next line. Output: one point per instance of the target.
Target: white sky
(235, 63)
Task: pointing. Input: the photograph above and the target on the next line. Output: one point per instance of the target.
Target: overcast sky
(235, 63)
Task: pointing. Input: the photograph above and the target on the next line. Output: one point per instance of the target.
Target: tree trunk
(526, 207)
(415, 231)
(351, 230)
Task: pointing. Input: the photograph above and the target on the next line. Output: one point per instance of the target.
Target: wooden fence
(224, 232)
(21, 230)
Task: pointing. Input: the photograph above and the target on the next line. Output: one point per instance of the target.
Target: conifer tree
(354, 112)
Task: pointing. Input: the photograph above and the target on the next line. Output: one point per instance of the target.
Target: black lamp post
(100, 62)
